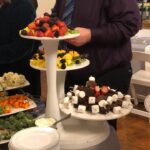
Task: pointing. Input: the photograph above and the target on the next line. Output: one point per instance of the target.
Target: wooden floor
(133, 131)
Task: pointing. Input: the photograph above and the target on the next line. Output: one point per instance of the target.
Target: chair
(140, 78)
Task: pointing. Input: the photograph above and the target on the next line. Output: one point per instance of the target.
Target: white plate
(16, 110)
(16, 87)
(35, 138)
(74, 67)
(68, 36)
(94, 117)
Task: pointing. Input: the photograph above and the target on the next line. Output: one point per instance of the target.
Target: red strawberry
(46, 18)
(104, 89)
(61, 23)
(39, 34)
(62, 31)
(46, 25)
(32, 25)
(49, 33)
(37, 21)
(97, 94)
(55, 27)
(97, 89)
(30, 33)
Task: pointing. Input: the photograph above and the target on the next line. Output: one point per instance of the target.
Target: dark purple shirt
(112, 24)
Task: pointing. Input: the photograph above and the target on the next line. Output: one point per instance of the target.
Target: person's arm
(17, 48)
(123, 22)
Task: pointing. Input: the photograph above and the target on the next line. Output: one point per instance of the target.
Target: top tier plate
(67, 36)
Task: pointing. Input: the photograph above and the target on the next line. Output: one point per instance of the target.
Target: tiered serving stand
(77, 132)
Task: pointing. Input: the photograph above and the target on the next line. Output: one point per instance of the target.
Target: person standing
(15, 52)
(105, 27)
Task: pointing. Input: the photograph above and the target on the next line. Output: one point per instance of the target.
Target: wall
(44, 6)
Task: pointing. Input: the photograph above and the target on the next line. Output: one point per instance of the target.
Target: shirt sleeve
(21, 15)
(123, 22)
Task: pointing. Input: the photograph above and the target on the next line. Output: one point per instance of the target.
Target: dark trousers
(117, 78)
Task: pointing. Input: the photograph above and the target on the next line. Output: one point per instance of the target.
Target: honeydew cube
(81, 109)
(92, 100)
(95, 109)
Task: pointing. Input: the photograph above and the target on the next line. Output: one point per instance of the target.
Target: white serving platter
(67, 36)
(68, 68)
(94, 117)
(16, 110)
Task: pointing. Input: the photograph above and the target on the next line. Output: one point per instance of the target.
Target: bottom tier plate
(94, 117)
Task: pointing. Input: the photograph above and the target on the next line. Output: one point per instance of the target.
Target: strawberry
(104, 89)
(62, 31)
(46, 25)
(49, 33)
(30, 33)
(37, 21)
(32, 25)
(55, 27)
(97, 89)
(39, 34)
(97, 94)
(46, 18)
(61, 23)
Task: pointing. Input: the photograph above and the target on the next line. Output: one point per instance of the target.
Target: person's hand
(85, 37)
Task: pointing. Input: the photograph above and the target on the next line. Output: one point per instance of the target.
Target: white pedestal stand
(75, 134)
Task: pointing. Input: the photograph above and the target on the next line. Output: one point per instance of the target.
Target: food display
(15, 103)
(10, 125)
(47, 26)
(45, 122)
(65, 58)
(11, 80)
(95, 99)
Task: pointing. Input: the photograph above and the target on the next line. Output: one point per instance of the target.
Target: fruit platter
(66, 59)
(11, 80)
(94, 102)
(48, 26)
(15, 103)
(11, 124)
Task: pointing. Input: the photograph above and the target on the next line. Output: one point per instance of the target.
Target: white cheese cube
(69, 94)
(75, 99)
(127, 97)
(82, 94)
(76, 92)
(91, 100)
(115, 97)
(91, 78)
(109, 100)
(102, 103)
(117, 110)
(95, 109)
(125, 104)
(120, 95)
(81, 109)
